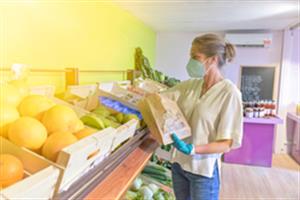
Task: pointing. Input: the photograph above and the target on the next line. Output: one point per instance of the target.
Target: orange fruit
(56, 142)
(86, 131)
(11, 170)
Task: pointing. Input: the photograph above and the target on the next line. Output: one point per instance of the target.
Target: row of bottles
(259, 109)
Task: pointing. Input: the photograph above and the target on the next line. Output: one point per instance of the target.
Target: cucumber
(157, 167)
(153, 171)
(157, 177)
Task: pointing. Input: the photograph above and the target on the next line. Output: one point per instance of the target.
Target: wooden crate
(41, 180)
(120, 94)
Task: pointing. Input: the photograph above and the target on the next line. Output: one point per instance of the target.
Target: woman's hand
(183, 147)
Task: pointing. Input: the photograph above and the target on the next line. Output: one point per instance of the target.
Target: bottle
(267, 108)
(273, 108)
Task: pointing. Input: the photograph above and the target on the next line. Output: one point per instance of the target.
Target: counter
(293, 135)
(257, 143)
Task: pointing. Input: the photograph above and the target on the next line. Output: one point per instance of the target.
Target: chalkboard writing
(257, 83)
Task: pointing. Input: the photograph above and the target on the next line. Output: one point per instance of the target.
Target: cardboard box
(163, 117)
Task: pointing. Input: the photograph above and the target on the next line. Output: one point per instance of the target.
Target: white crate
(120, 94)
(42, 180)
(83, 155)
(76, 159)
(45, 90)
(150, 86)
(82, 91)
(124, 132)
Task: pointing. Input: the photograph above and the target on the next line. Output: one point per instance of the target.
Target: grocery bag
(163, 118)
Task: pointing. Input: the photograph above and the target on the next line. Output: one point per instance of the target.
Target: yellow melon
(8, 114)
(11, 170)
(9, 95)
(86, 131)
(22, 86)
(35, 106)
(61, 118)
(56, 142)
(27, 132)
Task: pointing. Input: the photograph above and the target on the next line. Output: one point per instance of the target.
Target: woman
(213, 108)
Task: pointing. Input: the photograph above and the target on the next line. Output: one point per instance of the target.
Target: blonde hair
(213, 45)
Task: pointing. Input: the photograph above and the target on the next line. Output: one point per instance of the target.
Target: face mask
(195, 68)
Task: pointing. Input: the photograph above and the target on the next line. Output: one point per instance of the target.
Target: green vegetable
(157, 177)
(146, 192)
(155, 169)
(158, 196)
(137, 184)
(130, 195)
(153, 187)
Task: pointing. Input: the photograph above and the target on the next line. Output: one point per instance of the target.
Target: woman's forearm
(214, 147)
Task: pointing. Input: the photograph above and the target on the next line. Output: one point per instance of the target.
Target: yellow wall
(58, 34)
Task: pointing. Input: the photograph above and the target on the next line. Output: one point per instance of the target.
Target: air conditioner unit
(249, 39)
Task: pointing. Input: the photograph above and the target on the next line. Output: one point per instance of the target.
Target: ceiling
(214, 15)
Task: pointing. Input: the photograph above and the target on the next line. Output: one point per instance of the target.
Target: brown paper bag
(163, 117)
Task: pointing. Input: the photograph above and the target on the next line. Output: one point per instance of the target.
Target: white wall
(290, 83)
(173, 54)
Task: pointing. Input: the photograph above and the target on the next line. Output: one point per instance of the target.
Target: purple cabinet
(257, 144)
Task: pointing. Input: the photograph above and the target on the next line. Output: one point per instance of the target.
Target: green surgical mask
(195, 68)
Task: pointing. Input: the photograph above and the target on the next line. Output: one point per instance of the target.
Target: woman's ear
(213, 60)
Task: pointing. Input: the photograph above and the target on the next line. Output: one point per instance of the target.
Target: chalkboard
(257, 83)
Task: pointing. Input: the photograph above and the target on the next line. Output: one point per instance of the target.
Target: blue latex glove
(179, 144)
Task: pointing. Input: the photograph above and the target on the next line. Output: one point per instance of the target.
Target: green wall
(53, 35)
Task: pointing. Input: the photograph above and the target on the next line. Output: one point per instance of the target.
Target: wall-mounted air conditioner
(249, 39)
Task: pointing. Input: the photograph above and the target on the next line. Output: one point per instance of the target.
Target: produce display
(11, 170)
(118, 106)
(102, 117)
(143, 190)
(159, 173)
(37, 123)
(159, 161)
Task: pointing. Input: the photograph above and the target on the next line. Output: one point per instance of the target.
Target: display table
(111, 178)
(257, 143)
(293, 135)
(117, 183)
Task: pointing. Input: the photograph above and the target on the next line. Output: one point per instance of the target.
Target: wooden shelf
(116, 184)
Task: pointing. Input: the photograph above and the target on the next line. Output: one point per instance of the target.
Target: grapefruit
(35, 106)
(56, 142)
(9, 95)
(61, 118)
(86, 131)
(27, 132)
(8, 114)
(11, 170)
